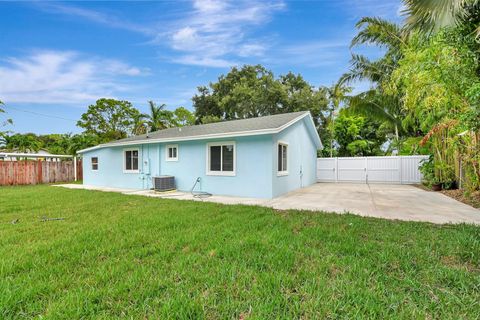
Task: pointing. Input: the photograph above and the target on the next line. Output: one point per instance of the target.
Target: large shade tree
(357, 135)
(109, 119)
(253, 91)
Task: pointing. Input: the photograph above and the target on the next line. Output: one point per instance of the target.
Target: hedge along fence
(36, 172)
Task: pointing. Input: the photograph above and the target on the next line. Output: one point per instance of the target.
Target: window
(131, 161)
(221, 159)
(172, 152)
(282, 158)
(94, 161)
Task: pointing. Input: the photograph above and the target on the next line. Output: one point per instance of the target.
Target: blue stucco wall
(253, 167)
(302, 159)
(256, 165)
(110, 167)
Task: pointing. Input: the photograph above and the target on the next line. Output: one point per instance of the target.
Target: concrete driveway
(402, 202)
(396, 202)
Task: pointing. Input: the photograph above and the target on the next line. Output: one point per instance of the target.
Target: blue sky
(56, 58)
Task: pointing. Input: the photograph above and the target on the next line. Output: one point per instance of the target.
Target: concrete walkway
(396, 202)
(402, 202)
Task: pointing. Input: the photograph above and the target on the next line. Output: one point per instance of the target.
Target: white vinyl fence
(394, 170)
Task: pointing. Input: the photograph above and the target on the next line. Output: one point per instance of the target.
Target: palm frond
(362, 68)
(378, 106)
(431, 15)
(380, 32)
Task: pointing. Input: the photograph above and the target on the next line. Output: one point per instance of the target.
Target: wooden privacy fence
(37, 172)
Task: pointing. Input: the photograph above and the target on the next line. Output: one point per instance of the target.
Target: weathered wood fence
(37, 172)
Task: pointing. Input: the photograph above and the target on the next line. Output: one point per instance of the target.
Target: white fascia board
(200, 137)
(34, 155)
(315, 134)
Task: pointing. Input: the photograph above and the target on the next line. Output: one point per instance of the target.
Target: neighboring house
(36, 155)
(259, 157)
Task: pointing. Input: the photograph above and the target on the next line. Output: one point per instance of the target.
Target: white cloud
(121, 68)
(215, 31)
(62, 77)
(92, 15)
(315, 53)
(387, 9)
(195, 60)
(251, 49)
(209, 5)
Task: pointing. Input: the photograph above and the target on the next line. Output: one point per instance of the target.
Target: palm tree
(82, 141)
(375, 103)
(336, 94)
(140, 124)
(22, 143)
(158, 118)
(432, 15)
(3, 140)
(385, 108)
(381, 33)
(7, 121)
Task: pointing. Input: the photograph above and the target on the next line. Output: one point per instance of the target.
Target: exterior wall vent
(164, 183)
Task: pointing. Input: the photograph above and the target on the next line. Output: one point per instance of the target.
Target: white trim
(32, 155)
(91, 163)
(168, 146)
(125, 163)
(284, 172)
(208, 172)
(205, 136)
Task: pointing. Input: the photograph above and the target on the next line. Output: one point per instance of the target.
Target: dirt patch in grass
(472, 199)
(454, 262)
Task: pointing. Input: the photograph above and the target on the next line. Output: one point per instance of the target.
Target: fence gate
(394, 169)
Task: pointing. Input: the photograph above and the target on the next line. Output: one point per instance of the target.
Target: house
(260, 157)
(15, 155)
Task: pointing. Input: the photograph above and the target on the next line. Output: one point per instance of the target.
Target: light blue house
(260, 157)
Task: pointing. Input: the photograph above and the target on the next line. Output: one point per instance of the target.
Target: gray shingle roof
(212, 129)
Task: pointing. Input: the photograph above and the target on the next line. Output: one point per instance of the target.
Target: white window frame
(167, 147)
(125, 162)
(283, 172)
(221, 173)
(91, 163)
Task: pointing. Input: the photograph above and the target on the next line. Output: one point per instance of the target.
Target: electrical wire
(38, 113)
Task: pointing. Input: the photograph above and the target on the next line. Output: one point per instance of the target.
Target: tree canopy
(109, 119)
(252, 91)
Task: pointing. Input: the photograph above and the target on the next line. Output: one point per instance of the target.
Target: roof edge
(203, 137)
(315, 134)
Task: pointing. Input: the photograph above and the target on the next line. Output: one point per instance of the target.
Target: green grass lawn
(130, 256)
